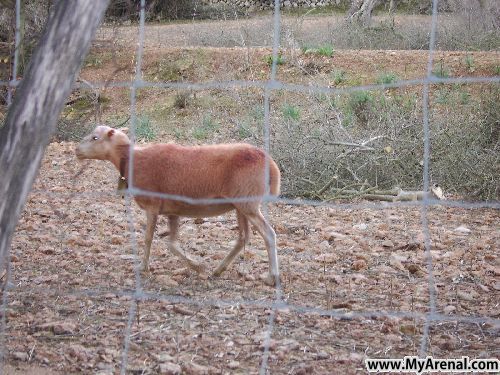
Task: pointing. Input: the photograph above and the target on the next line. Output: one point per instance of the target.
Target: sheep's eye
(95, 138)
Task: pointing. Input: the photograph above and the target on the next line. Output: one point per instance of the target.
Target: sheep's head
(101, 143)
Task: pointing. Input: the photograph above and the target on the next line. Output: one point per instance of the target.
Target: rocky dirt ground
(73, 276)
(72, 261)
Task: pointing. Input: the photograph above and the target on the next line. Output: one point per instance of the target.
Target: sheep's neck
(120, 159)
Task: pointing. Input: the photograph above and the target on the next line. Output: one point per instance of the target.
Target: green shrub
(291, 112)
(166, 71)
(441, 71)
(325, 50)
(469, 63)
(387, 78)
(181, 100)
(339, 76)
(360, 104)
(280, 60)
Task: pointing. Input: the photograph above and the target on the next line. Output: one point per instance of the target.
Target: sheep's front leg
(150, 230)
(173, 222)
(244, 236)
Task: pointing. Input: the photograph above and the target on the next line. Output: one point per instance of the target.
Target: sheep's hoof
(199, 268)
(144, 267)
(217, 272)
(269, 280)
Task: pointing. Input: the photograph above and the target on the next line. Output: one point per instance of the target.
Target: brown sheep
(197, 172)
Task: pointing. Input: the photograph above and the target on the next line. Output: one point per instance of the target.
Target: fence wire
(269, 86)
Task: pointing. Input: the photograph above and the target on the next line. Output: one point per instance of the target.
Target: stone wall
(267, 4)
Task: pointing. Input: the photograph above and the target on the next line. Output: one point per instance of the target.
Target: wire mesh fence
(282, 302)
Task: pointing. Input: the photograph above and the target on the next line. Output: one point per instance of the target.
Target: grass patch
(96, 60)
(144, 130)
(339, 76)
(167, 71)
(325, 50)
(82, 104)
(206, 129)
(387, 78)
(469, 63)
(441, 71)
(360, 103)
(179, 134)
(359, 98)
(443, 97)
(257, 113)
(290, 112)
(280, 60)
(244, 130)
(171, 71)
(465, 98)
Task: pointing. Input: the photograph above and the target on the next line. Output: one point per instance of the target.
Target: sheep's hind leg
(244, 236)
(174, 248)
(150, 230)
(269, 236)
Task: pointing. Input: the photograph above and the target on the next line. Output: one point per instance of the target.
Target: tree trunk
(38, 102)
(8, 3)
(21, 28)
(355, 6)
(361, 11)
(392, 6)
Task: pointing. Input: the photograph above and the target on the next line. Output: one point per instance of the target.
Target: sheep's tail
(274, 179)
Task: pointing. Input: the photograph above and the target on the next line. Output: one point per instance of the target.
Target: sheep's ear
(124, 130)
(111, 132)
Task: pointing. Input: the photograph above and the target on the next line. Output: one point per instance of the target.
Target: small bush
(441, 71)
(465, 98)
(360, 104)
(360, 97)
(291, 112)
(387, 79)
(181, 100)
(280, 60)
(325, 50)
(169, 71)
(339, 76)
(469, 63)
